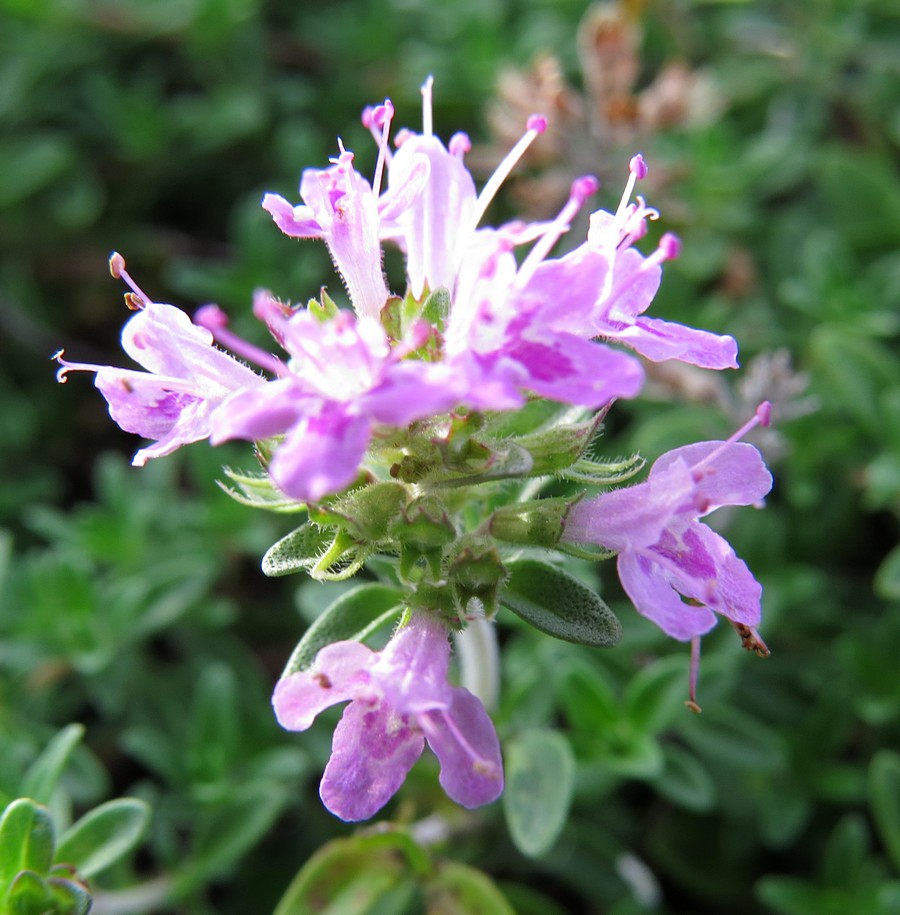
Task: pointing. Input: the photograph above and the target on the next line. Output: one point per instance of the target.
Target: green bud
(368, 514)
(537, 523)
(558, 448)
(423, 530)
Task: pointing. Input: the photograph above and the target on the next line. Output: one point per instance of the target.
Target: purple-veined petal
(649, 588)
(343, 203)
(321, 454)
(465, 742)
(732, 591)
(372, 751)
(339, 672)
(566, 368)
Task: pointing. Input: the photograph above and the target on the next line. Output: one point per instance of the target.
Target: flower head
(399, 699)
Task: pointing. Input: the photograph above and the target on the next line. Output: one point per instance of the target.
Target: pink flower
(677, 571)
(187, 377)
(343, 381)
(399, 699)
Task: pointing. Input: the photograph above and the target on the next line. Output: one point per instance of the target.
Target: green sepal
(324, 308)
(423, 531)
(504, 461)
(26, 839)
(355, 615)
(104, 835)
(558, 604)
(436, 597)
(603, 473)
(476, 571)
(298, 551)
(257, 490)
(540, 782)
(436, 308)
(369, 513)
(555, 449)
(537, 523)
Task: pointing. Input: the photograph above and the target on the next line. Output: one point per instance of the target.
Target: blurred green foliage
(132, 602)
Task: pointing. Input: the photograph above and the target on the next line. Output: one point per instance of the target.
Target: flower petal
(339, 672)
(372, 751)
(659, 340)
(729, 473)
(465, 742)
(411, 672)
(321, 454)
(653, 596)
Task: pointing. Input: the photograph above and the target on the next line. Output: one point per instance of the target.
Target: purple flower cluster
(513, 329)
(509, 324)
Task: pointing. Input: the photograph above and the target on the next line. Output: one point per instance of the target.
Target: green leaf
(356, 614)
(43, 774)
(685, 780)
(214, 724)
(558, 604)
(655, 695)
(26, 839)
(29, 895)
(227, 832)
(298, 551)
(354, 876)
(457, 889)
(540, 780)
(846, 852)
(884, 799)
(103, 835)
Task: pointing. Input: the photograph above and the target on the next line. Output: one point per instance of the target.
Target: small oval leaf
(298, 551)
(103, 835)
(354, 615)
(26, 839)
(540, 779)
(558, 604)
(43, 774)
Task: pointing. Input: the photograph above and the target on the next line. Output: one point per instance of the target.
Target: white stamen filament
(383, 151)
(117, 269)
(427, 125)
(536, 126)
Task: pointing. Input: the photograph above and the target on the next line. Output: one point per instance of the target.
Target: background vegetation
(131, 601)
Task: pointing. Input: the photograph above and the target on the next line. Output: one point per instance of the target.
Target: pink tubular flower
(399, 699)
(342, 382)
(187, 378)
(665, 554)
